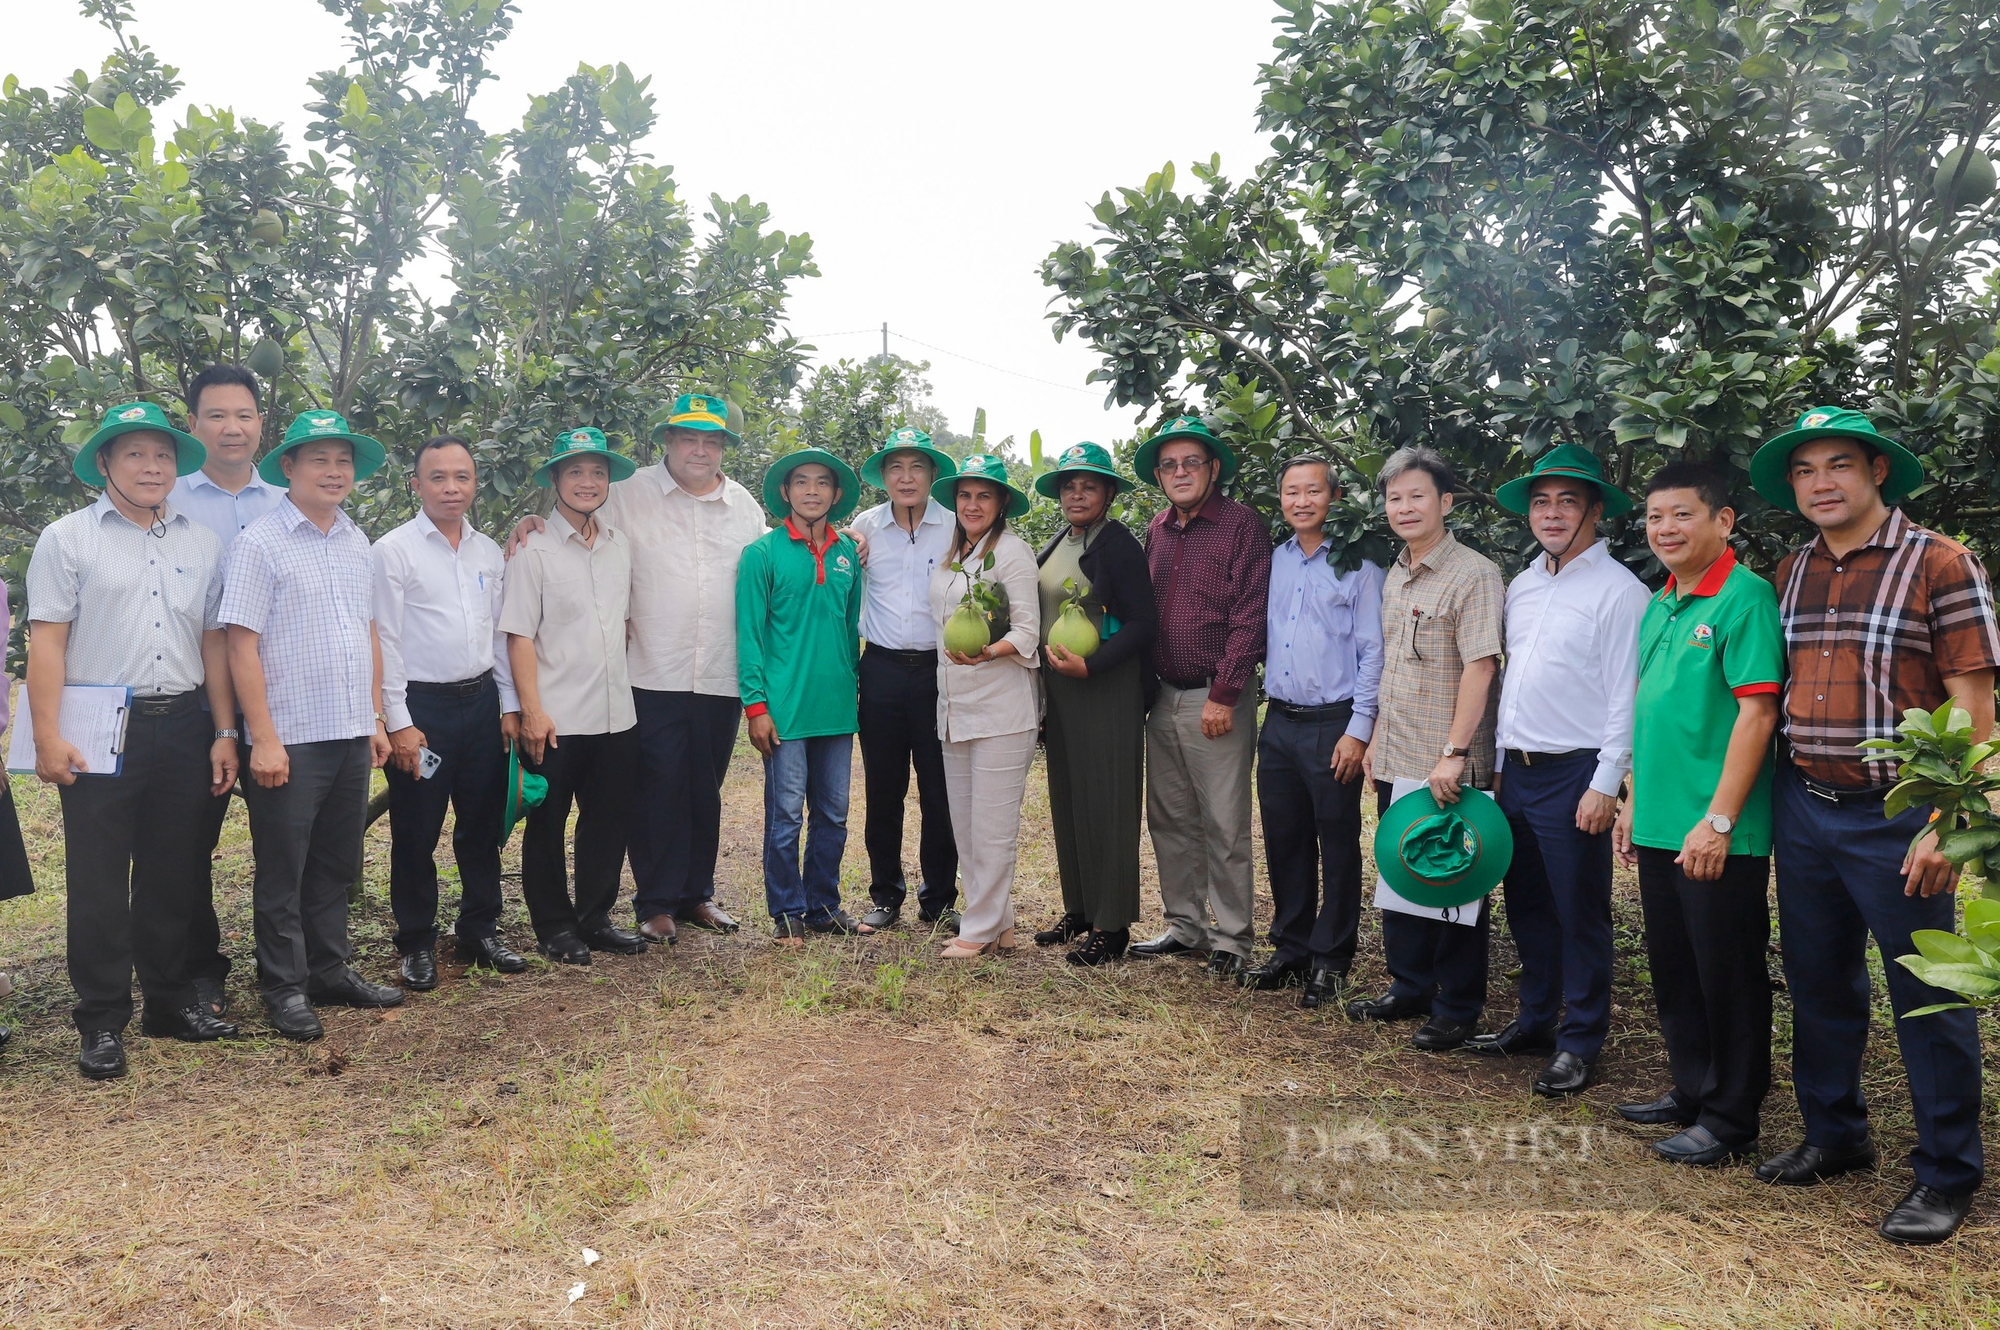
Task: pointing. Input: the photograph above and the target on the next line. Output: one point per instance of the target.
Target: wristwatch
(228, 734)
(1453, 750)
(1721, 822)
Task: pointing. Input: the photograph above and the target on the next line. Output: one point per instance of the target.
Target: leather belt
(913, 659)
(463, 688)
(161, 705)
(1835, 794)
(1527, 759)
(1341, 710)
(1190, 686)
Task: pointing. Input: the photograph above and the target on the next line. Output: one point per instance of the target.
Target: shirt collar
(1433, 558)
(720, 494)
(1299, 550)
(800, 536)
(1711, 581)
(1595, 554)
(197, 478)
(561, 527)
(1887, 536)
(1209, 508)
(293, 515)
(105, 505)
(427, 528)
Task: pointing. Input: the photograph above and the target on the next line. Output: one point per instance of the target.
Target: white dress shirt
(437, 611)
(1573, 661)
(220, 511)
(1002, 695)
(684, 554)
(896, 586)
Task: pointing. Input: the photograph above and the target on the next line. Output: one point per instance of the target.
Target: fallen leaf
(575, 1292)
(392, 1014)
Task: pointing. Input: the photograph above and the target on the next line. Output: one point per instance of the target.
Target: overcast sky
(935, 152)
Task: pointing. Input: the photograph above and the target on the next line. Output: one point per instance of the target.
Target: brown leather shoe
(705, 915)
(660, 928)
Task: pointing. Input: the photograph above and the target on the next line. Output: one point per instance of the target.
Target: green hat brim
(188, 452)
(1770, 467)
(368, 457)
(774, 483)
(1049, 483)
(1146, 458)
(945, 493)
(871, 469)
(621, 466)
(1496, 848)
(703, 426)
(517, 806)
(1514, 495)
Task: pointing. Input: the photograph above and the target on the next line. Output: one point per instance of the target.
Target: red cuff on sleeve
(1753, 689)
(758, 708)
(1223, 695)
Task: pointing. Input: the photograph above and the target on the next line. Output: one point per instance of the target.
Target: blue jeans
(805, 773)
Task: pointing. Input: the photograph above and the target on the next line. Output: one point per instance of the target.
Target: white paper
(92, 719)
(1387, 899)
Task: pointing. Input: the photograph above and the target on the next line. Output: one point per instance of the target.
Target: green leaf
(1948, 948)
(1936, 1007)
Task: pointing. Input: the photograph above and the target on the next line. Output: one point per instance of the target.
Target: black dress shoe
(1100, 947)
(1388, 1007)
(1699, 1148)
(944, 921)
(294, 1018)
(351, 990)
(1224, 965)
(881, 917)
(1438, 1035)
(1925, 1215)
(1166, 944)
(209, 992)
(192, 1024)
(1566, 1074)
(617, 941)
(102, 1057)
(837, 922)
(1324, 985)
(1804, 1165)
(1274, 974)
(1512, 1041)
(1662, 1112)
(565, 948)
(1063, 930)
(492, 954)
(420, 970)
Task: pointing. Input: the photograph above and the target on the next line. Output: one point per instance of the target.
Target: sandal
(1066, 929)
(1101, 947)
(788, 931)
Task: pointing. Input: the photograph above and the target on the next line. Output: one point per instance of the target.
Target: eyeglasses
(1186, 466)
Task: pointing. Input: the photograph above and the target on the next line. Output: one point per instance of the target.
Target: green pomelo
(267, 228)
(1971, 189)
(1074, 632)
(966, 633)
(266, 359)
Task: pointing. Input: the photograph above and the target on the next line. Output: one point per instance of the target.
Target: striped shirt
(1872, 633)
(136, 604)
(307, 596)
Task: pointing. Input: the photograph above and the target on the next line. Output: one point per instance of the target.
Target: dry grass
(856, 1135)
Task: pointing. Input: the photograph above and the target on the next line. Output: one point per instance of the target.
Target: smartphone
(427, 763)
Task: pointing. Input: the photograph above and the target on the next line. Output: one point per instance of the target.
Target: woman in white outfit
(989, 703)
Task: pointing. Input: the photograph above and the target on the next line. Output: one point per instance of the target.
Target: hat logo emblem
(325, 425)
(579, 437)
(133, 413)
(1817, 418)
(1074, 455)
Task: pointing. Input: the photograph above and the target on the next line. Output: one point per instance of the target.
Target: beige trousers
(1198, 810)
(985, 780)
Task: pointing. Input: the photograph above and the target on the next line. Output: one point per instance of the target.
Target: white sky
(934, 151)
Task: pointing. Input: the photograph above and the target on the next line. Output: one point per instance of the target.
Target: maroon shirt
(1211, 578)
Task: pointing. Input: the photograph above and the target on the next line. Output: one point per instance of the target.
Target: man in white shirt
(908, 539)
(446, 690)
(1565, 735)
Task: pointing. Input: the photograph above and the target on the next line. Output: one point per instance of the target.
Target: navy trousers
(1312, 841)
(464, 730)
(1559, 904)
(899, 732)
(684, 743)
(1439, 965)
(1839, 880)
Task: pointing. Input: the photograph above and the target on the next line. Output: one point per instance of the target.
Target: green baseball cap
(524, 791)
(987, 467)
(1091, 457)
(319, 427)
(1439, 857)
(699, 411)
(1565, 459)
(907, 439)
(585, 439)
(1770, 469)
(130, 418)
(774, 482)
(1145, 462)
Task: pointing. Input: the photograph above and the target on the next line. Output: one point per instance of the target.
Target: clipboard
(93, 718)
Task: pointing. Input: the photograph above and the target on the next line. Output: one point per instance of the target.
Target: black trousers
(898, 731)
(1312, 840)
(464, 730)
(1437, 964)
(132, 861)
(683, 745)
(306, 835)
(596, 772)
(1706, 942)
(207, 958)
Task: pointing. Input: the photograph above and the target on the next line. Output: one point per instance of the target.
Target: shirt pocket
(187, 592)
(565, 602)
(1572, 632)
(1432, 636)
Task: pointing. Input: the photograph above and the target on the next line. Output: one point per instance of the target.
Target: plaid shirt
(1435, 617)
(1212, 577)
(1872, 634)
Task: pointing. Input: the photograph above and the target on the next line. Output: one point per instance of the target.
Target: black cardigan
(1115, 564)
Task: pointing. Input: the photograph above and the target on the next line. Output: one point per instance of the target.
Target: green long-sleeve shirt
(797, 640)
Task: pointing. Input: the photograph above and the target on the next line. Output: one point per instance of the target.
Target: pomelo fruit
(267, 228)
(266, 359)
(1969, 190)
(966, 633)
(1074, 632)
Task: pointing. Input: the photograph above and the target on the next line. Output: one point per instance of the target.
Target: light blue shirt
(896, 585)
(220, 511)
(1324, 634)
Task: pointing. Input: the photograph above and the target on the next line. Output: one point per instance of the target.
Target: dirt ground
(861, 1135)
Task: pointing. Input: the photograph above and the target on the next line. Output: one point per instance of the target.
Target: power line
(1047, 383)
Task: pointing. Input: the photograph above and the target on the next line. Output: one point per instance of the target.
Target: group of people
(607, 659)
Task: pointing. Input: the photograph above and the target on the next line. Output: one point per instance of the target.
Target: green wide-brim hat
(524, 791)
(1145, 462)
(1441, 857)
(130, 418)
(585, 441)
(1091, 457)
(1565, 459)
(699, 411)
(321, 427)
(774, 482)
(906, 440)
(986, 467)
(1770, 469)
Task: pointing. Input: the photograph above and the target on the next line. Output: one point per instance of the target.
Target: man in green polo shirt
(798, 604)
(1711, 656)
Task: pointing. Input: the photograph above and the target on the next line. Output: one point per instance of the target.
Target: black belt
(1341, 710)
(1835, 794)
(463, 688)
(1190, 685)
(162, 705)
(912, 658)
(1528, 759)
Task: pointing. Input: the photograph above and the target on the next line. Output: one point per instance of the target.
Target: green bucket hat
(1770, 469)
(524, 791)
(1091, 457)
(1145, 462)
(774, 482)
(987, 467)
(130, 418)
(1565, 459)
(1442, 857)
(315, 427)
(585, 439)
(699, 411)
(906, 440)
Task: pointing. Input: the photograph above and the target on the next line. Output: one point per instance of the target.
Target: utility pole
(885, 339)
